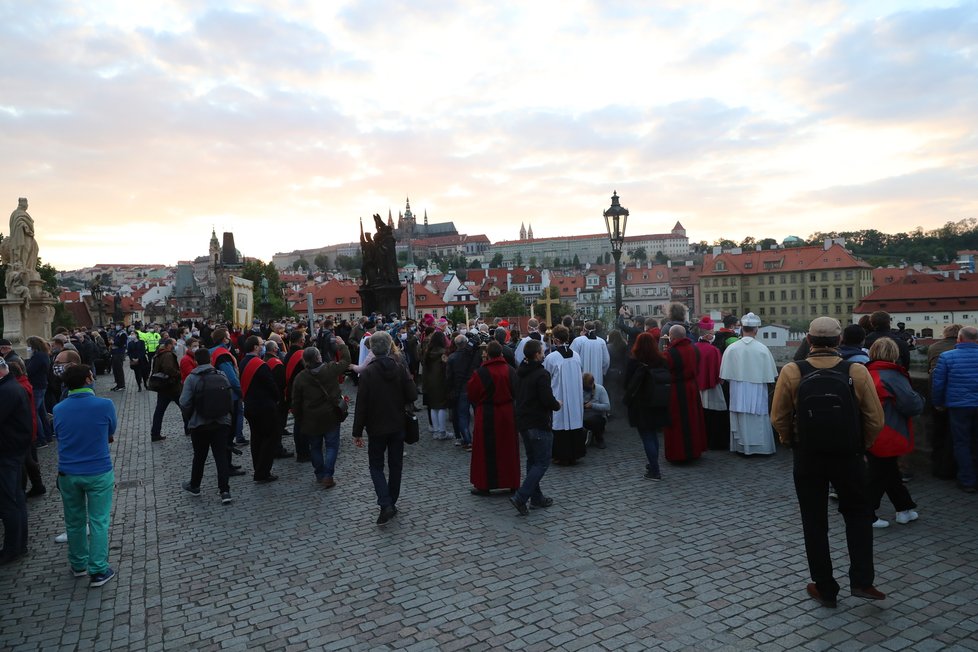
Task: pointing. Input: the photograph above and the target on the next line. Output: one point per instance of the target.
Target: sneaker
(241, 441)
(833, 494)
(225, 498)
(654, 477)
(193, 491)
(61, 538)
(520, 507)
(868, 593)
(79, 573)
(879, 524)
(101, 578)
(42, 444)
(544, 503)
(458, 442)
(906, 476)
(906, 516)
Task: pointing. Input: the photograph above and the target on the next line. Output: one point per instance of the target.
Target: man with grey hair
(955, 388)
(316, 396)
(385, 390)
(531, 328)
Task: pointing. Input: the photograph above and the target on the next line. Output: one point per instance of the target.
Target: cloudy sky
(134, 127)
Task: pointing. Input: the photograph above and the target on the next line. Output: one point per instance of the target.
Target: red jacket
(187, 364)
(900, 404)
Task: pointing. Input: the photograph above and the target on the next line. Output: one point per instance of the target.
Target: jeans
(87, 500)
(13, 505)
(45, 431)
(964, 434)
(461, 418)
(388, 489)
(812, 474)
(324, 464)
(118, 369)
(162, 402)
(237, 420)
(212, 437)
(650, 441)
(538, 443)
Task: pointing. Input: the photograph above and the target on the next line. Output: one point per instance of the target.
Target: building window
(825, 309)
(794, 295)
(848, 274)
(849, 292)
(733, 297)
(825, 293)
(770, 280)
(811, 277)
(770, 295)
(726, 297)
(794, 278)
(725, 281)
(837, 276)
(813, 310)
(764, 335)
(794, 310)
(320, 302)
(811, 293)
(838, 308)
(762, 310)
(825, 276)
(784, 310)
(926, 317)
(838, 293)
(784, 279)
(746, 295)
(784, 295)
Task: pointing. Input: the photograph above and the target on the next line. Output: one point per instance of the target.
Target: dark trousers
(266, 437)
(885, 477)
(387, 488)
(13, 505)
(163, 401)
(964, 435)
(32, 470)
(214, 438)
(942, 449)
(847, 473)
(119, 369)
(596, 425)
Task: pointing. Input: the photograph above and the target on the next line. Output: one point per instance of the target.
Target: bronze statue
(379, 264)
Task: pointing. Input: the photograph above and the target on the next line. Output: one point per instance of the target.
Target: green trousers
(87, 499)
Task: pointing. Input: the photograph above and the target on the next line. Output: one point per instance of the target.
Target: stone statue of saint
(19, 252)
(386, 255)
(264, 290)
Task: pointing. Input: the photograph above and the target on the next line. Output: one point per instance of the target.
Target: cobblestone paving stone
(711, 558)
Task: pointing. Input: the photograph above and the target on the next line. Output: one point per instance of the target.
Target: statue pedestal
(21, 322)
(383, 299)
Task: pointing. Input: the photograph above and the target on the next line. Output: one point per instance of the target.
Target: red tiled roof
(886, 275)
(794, 259)
(67, 296)
(923, 293)
(644, 275)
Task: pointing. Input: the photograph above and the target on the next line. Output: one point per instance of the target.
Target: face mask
(193, 349)
(59, 370)
(30, 350)
(262, 351)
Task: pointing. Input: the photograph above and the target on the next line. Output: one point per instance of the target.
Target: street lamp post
(615, 220)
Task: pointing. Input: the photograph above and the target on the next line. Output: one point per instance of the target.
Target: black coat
(263, 392)
(385, 389)
(16, 421)
(535, 401)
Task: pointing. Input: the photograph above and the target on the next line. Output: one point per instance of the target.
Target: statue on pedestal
(19, 249)
(380, 285)
(27, 309)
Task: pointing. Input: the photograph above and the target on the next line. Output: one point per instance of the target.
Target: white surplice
(567, 384)
(595, 358)
(748, 367)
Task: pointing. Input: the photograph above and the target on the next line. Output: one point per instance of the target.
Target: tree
(724, 243)
(348, 263)
(519, 258)
(254, 270)
(322, 262)
(767, 243)
(577, 261)
(509, 304)
(302, 263)
(497, 261)
(475, 264)
(456, 315)
(661, 258)
(748, 243)
(533, 261)
(638, 253)
(402, 257)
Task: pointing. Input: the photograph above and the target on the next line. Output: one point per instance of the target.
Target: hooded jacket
(900, 403)
(535, 401)
(955, 379)
(385, 389)
(315, 394)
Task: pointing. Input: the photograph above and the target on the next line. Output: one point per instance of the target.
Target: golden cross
(549, 301)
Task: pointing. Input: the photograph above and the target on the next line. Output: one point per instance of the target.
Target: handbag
(411, 428)
(342, 408)
(159, 382)
(133, 363)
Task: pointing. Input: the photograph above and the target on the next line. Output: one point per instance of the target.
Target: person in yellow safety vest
(151, 338)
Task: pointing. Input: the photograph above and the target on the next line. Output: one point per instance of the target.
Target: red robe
(685, 436)
(495, 446)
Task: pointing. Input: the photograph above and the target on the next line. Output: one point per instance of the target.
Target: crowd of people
(697, 385)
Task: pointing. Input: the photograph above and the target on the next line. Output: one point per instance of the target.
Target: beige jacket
(786, 396)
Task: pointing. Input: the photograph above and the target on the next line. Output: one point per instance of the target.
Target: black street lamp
(97, 294)
(615, 220)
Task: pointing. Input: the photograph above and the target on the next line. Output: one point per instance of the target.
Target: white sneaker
(880, 523)
(61, 538)
(906, 516)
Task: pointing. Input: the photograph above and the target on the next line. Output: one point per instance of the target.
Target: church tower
(215, 248)
(426, 222)
(529, 233)
(522, 231)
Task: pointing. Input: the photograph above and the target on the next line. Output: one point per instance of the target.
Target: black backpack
(212, 395)
(650, 387)
(827, 417)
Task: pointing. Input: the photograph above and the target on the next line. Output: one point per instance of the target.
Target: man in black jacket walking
(261, 398)
(384, 391)
(535, 405)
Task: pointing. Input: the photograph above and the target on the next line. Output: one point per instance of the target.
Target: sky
(134, 128)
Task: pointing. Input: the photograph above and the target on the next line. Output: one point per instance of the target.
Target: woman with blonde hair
(900, 404)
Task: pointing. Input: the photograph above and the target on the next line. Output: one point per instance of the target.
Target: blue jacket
(956, 377)
(83, 424)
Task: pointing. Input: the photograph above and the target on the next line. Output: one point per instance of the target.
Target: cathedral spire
(522, 231)
(529, 233)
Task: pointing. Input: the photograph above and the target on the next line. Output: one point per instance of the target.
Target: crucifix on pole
(546, 303)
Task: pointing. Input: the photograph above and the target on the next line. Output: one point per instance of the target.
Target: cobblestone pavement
(710, 558)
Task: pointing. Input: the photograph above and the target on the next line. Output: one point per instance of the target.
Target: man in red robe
(495, 447)
(685, 437)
